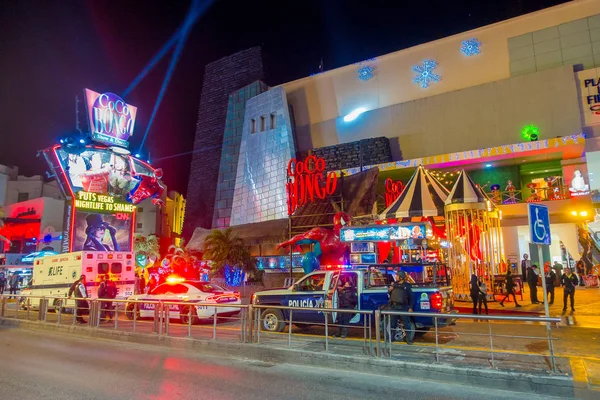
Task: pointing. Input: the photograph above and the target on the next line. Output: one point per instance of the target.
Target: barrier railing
(274, 325)
(388, 314)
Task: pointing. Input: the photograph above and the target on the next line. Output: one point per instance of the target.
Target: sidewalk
(587, 304)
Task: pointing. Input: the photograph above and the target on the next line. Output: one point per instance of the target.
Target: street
(48, 366)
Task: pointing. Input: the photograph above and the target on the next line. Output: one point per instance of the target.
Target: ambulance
(53, 275)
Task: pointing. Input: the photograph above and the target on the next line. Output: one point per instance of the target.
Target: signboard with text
(111, 119)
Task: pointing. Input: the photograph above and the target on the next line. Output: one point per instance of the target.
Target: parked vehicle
(316, 290)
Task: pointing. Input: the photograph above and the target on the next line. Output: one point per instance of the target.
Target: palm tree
(225, 248)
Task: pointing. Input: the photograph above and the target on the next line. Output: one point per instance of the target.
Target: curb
(543, 384)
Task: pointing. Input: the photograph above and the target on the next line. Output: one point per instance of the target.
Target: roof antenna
(77, 114)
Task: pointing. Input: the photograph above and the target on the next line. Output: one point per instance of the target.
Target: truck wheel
(184, 314)
(58, 305)
(130, 309)
(271, 320)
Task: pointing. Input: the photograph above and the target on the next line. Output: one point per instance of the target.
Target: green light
(530, 132)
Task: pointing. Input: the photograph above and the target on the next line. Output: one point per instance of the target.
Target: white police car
(198, 294)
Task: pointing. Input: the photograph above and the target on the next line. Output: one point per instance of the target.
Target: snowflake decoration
(425, 73)
(471, 47)
(365, 73)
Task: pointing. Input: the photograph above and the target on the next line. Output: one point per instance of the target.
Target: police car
(198, 294)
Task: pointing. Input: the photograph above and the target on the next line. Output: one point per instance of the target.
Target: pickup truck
(313, 290)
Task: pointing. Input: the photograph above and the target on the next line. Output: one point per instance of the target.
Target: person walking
(525, 266)
(347, 298)
(79, 290)
(13, 284)
(482, 295)
(474, 292)
(569, 282)
(557, 267)
(550, 277)
(580, 268)
(532, 279)
(401, 299)
(510, 289)
(107, 290)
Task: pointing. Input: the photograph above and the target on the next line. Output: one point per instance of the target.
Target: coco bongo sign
(307, 181)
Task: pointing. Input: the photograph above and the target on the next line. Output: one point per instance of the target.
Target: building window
(263, 124)
(273, 122)
(23, 197)
(140, 209)
(252, 125)
(139, 225)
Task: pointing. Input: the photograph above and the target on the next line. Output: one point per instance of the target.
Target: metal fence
(372, 336)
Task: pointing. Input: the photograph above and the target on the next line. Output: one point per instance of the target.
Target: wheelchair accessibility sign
(539, 224)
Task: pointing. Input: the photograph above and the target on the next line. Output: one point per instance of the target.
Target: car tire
(184, 313)
(129, 311)
(271, 320)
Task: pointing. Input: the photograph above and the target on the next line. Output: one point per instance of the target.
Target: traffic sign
(539, 224)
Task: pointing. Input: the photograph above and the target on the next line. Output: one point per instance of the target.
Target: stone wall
(221, 78)
(354, 154)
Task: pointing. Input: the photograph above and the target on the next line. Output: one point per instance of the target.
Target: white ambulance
(53, 275)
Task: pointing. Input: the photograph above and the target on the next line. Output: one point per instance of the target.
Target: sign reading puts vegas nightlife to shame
(111, 119)
(307, 181)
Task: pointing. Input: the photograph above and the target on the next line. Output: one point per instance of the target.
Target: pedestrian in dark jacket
(580, 268)
(107, 290)
(482, 296)
(550, 279)
(510, 289)
(13, 284)
(401, 299)
(569, 282)
(79, 290)
(474, 292)
(532, 279)
(347, 300)
(2, 282)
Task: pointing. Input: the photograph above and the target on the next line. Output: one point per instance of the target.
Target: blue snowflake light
(471, 47)
(425, 73)
(365, 73)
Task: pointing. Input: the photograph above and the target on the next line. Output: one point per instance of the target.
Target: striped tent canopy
(465, 191)
(423, 196)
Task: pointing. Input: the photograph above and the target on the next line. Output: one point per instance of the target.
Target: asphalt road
(40, 366)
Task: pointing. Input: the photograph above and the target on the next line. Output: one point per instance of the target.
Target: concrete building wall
(571, 43)
(267, 146)
(221, 78)
(147, 219)
(333, 94)
(483, 116)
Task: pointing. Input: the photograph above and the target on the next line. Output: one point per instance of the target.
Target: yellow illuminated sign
(101, 202)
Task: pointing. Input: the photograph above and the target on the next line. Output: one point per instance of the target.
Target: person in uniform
(401, 299)
(347, 298)
(569, 282)
(79, 290)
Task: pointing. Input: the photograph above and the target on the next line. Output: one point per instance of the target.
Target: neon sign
(111, 119)
(100, 202)
(306, 181)
(393, 190)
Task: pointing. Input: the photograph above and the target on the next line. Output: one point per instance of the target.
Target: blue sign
(376, 233)
(539, 224)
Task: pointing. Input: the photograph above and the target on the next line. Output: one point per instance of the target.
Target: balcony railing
(532, 195)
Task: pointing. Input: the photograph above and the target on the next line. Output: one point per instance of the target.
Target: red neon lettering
(393, 190)
(306, 181)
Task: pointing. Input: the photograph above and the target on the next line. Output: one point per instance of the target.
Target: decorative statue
(329, 249)
(510, 188)
(496, 196)
(148, 187)
(578, 184)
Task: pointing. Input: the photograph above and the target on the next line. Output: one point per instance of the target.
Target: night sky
(51, 50)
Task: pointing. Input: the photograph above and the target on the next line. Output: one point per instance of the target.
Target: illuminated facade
(514, 103)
